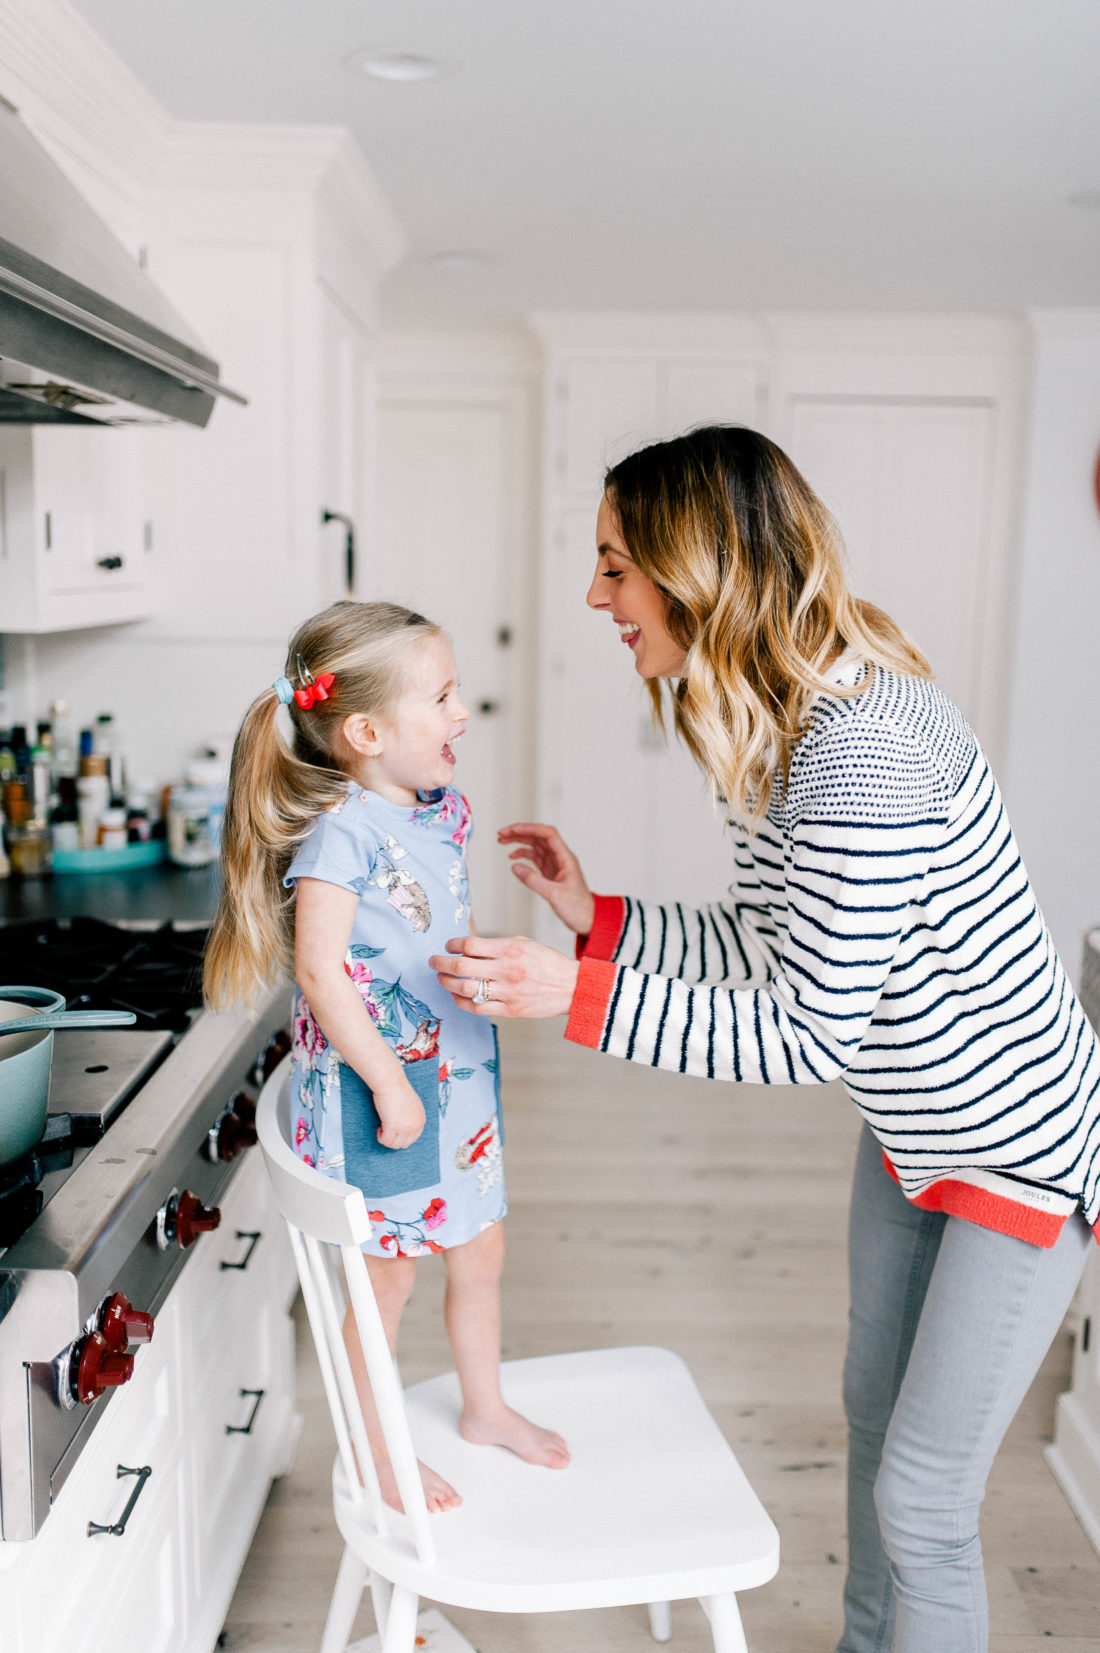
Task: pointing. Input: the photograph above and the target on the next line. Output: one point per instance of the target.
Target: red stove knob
(278, 1047)
(244, 1106)
(122, 1325)
(182, 1218)
(97, 1368)
(232, 1132)
(193, 1218)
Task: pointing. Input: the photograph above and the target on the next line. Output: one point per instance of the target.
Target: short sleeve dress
(407, 865)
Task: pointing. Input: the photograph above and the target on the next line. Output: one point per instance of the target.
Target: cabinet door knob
(110, 563)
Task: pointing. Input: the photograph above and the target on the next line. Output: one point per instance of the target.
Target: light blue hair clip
(284, 688)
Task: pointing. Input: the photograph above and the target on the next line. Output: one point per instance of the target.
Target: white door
(632, 804)
(450, 542)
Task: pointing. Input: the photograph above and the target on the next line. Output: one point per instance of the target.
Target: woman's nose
(593, 596)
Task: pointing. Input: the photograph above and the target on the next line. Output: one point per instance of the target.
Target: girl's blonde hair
(277, 790)
(751, 566)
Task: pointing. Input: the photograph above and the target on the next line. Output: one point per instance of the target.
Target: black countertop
(189, 894)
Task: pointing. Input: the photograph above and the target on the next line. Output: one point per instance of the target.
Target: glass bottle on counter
(64, 739)
(64, 816)
(139, 826)
(93, 795)
(28, 841)
(21, 749)
(107, 745)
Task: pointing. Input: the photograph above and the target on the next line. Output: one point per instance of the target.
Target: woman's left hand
(524, 978)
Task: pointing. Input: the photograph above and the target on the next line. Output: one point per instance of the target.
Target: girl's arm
(324, 917)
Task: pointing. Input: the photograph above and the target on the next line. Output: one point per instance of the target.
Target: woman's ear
(362, 735)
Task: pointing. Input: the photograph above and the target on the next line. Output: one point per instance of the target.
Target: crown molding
(899, 331)
(1064, 324)
(435, 353)
(649, 332)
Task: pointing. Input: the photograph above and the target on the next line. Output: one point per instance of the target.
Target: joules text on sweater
(881, 928)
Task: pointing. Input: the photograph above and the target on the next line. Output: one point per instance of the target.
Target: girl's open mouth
(448, 755)
(630, 633)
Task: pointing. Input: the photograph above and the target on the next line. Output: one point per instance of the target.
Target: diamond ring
(484, 992)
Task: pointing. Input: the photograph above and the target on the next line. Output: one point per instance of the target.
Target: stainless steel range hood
(85, 336)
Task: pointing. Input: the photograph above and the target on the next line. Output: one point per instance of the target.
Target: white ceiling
(687, 154)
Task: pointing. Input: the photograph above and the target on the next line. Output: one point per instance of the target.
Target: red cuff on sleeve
(591, 996)
(607, 928)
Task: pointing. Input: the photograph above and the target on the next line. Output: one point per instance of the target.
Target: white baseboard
(1074, 1460)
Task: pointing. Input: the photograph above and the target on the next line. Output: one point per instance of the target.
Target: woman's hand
(546, 864)
(401, 1112)
(524, 977)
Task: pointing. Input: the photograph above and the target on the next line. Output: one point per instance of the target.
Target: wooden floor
(652, 1209)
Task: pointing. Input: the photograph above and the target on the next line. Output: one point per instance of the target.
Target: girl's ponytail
(277, 790)
(273, 799)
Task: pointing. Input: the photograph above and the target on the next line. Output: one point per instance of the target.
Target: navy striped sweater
(881, 928)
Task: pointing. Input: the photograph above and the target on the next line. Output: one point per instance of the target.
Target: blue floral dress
(407, 865)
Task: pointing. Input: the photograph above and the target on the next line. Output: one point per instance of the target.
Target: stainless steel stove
(145, 1131)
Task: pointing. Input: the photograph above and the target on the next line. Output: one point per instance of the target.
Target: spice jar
(29, 849)
(93, 795)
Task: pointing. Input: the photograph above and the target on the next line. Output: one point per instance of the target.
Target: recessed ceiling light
(379, 63)
(1087, 198)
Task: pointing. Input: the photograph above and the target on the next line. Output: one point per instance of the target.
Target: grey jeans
(949, 1324)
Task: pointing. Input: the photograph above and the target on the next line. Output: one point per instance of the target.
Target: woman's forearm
(724, 941)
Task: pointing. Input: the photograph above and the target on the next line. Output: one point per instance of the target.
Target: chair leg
(725, 1623)
(380, 1596)
(350, 1583)
(660, 1621)
(400, 1634)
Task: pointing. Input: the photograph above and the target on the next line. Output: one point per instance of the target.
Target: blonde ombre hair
(751, 566)
(277, 790)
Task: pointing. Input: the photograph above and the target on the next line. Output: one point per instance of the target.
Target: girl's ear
(362, 735)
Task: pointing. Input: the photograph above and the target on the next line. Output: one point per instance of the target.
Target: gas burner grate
(100, 966)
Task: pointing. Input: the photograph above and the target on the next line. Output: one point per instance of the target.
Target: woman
(881, 928)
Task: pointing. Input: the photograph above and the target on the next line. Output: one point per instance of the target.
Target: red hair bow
(319, 689)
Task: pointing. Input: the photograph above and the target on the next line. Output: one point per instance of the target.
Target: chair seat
(653, 1507)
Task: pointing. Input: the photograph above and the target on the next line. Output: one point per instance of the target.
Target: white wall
(1051, 779)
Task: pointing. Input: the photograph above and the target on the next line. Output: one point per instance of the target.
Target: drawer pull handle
(253, 1237)
(117, 1528)
(109, 563)
(246, 1428)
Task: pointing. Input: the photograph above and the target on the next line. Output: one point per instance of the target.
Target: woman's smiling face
(620, 590)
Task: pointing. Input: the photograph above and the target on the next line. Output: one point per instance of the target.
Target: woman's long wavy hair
(751, 566)
(276, 789)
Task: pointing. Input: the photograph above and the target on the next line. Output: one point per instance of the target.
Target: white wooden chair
(653, 1508)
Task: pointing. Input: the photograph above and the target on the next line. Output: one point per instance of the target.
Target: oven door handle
(246, 1428)
(117, 1528)
(253, 1236)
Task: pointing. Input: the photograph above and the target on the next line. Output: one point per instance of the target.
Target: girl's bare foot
(518, 1434)
(439, 1495)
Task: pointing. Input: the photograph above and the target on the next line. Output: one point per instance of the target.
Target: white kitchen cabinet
(1074, 1455)
(76, 526)
(165, 1584)
(272, 242)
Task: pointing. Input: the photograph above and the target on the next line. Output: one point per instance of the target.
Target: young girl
(392, 1089)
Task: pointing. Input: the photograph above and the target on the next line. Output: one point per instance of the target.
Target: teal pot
(24, 1072)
